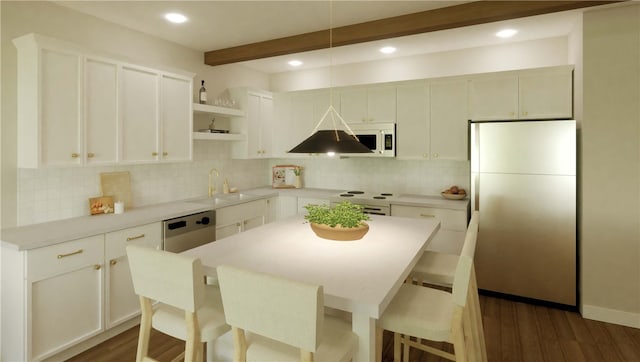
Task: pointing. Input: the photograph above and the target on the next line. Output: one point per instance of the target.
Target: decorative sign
(286, 176)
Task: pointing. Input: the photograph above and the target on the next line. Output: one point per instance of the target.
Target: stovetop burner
(346, 195)
(355, 192)
(379, 197)
(386, 194)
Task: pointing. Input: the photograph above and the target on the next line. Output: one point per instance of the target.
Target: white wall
(30, 196)
(610, 247)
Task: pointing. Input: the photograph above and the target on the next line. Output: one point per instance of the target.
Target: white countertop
(53, 232)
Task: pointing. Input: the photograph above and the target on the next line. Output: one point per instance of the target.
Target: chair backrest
(462, 276)
(288, 311)
(167, 277)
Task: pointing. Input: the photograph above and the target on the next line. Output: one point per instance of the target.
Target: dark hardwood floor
(514, 331)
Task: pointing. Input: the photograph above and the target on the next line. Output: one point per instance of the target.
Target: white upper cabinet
(256, 123)
(176, 118)
(77, 109)
(101, 111)
(139, 113)
(413, 123)
(49, 103)
(544, 93)
(493, 97)
(368, 104)
(449, 119)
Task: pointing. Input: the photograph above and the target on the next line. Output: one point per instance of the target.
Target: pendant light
(331, 141)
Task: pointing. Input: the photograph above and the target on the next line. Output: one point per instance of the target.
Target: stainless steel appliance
(373, 203)
(187, 232)
(380, 138)
(523, 179)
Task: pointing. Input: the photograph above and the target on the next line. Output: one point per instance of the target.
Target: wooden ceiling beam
(473, 13)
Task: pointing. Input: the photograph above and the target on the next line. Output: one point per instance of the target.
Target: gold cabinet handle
(91, 155)
(75, 155)
(113, 262)
(425, 155)
(238, 224)
(165, 153)
(154, 154)
(97, 267)
(427, 215)
(435, 155)
(525, 113)
(79, 251)
(135, 237)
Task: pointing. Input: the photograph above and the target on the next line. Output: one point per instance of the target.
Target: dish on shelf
(453, 196)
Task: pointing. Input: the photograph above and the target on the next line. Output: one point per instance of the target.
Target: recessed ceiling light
(175, 18)
(506, 33)
(387, 50)
(295, 63)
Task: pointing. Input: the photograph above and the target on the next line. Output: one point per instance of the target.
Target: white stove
(373, 203)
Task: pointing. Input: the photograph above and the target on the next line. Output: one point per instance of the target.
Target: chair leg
(145, 329)
(239, 345)
(396, 347)
(480, 341)
(379, 335)
(193, 338)
(457, 336)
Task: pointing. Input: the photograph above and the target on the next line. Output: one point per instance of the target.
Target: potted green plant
(345, 221)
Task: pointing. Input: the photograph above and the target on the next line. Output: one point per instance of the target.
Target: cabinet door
(101, 111)
(546, 93)
(122, 303)
(222, 231)
(381, 104)
(177, 121)
(449, 120)
(60, 101)
(301, 120)
(412, 128)
(253, 222)
(287, 206)
(271, 214)
(353, 105)
(139, 117)
(266, 126)
(493, 97)
(65, 295)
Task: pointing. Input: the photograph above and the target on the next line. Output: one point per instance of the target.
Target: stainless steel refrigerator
(523, 182)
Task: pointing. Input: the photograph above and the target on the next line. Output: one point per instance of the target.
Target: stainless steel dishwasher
(187, 232)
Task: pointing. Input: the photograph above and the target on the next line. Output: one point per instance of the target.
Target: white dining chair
(186, 308)
(437, 315)
(439, 268)
(277, 319)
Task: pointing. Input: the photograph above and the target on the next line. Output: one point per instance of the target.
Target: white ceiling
(220, 24)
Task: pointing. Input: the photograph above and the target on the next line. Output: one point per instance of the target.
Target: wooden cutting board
(118, 186)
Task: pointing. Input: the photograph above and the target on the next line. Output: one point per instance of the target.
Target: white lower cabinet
(61, 295)
(121, 301)
(64, 296)
(453, 225)
(234, 219)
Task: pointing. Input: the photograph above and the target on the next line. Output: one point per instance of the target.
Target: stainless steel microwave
(380, 138)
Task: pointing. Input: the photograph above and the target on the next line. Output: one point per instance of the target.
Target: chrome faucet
(212, 186)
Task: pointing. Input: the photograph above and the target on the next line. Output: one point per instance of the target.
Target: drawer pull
(135, 237)
(79, 251)
(113, 262)
(427, 215)
(97, 267)
(75, 155)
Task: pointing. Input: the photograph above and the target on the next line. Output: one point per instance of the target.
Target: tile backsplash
(424, 177)
(60, 193)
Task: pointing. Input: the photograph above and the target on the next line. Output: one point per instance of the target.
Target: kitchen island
(360, 277)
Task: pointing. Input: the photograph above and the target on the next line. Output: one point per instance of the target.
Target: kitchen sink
(219, 200)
